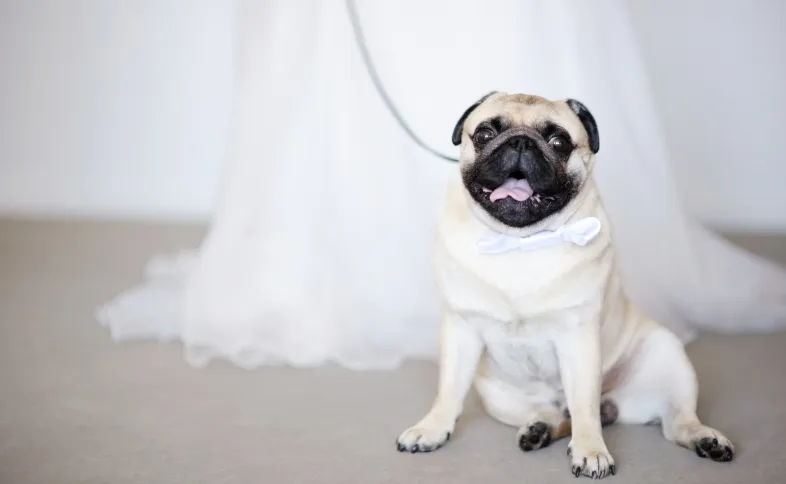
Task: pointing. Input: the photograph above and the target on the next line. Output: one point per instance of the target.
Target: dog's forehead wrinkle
(525, 110)
(519, 110)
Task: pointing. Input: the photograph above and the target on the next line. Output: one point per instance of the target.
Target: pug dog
(537, 320)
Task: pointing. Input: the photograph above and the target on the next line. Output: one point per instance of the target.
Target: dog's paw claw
(595, 464)
(576, 470)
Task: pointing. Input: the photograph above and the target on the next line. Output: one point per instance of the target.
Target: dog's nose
(520, 143)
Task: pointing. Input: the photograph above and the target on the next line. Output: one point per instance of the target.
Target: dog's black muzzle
(520, 153)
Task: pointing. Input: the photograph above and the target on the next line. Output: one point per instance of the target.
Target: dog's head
(524, 158)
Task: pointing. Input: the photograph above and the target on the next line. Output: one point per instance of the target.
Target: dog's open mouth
(516, 187)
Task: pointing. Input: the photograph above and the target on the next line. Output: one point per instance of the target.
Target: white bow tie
(580, 232)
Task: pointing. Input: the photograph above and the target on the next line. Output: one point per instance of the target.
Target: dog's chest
(515, 286)
(522, 351)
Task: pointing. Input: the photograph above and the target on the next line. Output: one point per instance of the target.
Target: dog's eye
(484, 135)
(559, 142)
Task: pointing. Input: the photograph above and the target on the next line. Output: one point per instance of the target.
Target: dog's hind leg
(539, 420)
(660, 386)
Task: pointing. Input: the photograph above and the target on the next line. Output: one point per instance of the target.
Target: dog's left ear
(586, 118)
(460, 125)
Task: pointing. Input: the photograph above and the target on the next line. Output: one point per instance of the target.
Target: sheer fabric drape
(319, 250)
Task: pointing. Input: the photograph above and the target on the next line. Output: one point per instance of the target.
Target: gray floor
(76, 408)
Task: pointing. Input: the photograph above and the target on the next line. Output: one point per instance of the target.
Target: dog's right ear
(460, 125)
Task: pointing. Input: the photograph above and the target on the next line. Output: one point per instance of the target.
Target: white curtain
(320, 250)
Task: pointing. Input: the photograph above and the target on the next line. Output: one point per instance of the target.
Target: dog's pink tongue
(515, 189)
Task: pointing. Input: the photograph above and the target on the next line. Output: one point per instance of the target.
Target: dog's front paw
(426, 436)
(591, 460)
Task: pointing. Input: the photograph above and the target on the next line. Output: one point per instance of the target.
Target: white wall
(718, 69)
(112, 108)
